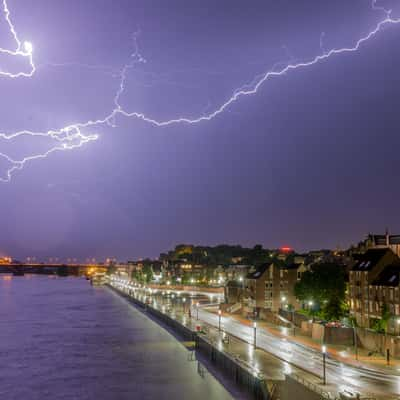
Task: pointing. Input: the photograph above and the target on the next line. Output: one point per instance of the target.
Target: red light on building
(286, 249)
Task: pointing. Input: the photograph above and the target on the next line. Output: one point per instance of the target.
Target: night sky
(310, 161)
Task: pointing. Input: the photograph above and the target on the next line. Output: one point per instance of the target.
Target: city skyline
(303, 162)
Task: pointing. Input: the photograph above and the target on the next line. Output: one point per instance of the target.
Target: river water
(61, 338)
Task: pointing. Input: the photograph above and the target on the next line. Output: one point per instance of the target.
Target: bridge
(52, 269)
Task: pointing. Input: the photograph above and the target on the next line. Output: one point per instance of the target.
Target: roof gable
(390, 276)
(368, 260)
(259, 272)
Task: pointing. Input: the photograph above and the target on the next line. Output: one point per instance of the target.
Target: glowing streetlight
(324, 363)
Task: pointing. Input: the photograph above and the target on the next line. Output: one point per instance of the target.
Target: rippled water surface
(61, 338)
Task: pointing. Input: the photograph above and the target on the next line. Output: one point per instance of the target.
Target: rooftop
(258, 272)
(368, 260)
(390, 276)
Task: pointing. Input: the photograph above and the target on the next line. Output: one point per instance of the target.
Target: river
(61, 338)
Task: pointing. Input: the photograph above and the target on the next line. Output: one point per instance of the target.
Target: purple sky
(310, 161)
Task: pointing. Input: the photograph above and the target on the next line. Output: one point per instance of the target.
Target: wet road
(345, 377)
(61, 338)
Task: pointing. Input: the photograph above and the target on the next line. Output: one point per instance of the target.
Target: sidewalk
(343, 354)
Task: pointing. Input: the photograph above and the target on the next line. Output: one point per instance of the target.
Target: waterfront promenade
(288, 358)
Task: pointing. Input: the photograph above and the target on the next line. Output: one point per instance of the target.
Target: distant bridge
(52, 269)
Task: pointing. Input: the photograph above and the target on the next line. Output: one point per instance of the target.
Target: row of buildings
(373, 291)
(372, 266)
(374, 281)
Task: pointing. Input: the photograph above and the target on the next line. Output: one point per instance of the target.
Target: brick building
(271, 287)
(374, 281)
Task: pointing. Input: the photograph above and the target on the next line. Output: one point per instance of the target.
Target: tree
(111, 270)
(385, 314)
(334, 309)
(147, 273)
(324, 284)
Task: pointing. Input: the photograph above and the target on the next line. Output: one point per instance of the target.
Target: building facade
(373, 281)
(271, 287)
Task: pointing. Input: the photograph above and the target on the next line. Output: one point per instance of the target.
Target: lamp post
(255, 334)
(355, 340)
(310, 305)
(324, 363)
(283, 300)
(241, 280)
(197, 310)
(183, 305)
(294, 325)
(219, 320)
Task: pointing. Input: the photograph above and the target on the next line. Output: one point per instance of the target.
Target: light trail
(72, 136)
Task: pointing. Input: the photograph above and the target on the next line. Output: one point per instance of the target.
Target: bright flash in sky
(28, 47)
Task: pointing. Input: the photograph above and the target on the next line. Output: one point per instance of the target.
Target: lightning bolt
(24, 50)
(72, 136)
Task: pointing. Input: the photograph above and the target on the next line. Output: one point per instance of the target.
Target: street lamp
(355, 339)
(324, 363)
(219, 320)
(197, 310)
(183, 304)
(310, 305)
(283, 300)
(255, 334)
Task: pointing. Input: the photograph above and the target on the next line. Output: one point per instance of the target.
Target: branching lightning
(72, 136)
